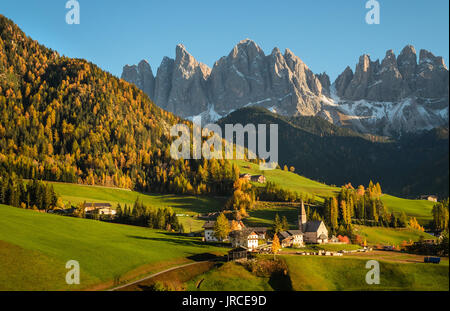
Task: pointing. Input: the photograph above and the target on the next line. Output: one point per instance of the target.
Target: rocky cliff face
(390, 97)
(398, 95)
(142, 76)
(245, 77)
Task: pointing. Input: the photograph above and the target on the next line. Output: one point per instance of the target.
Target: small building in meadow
(258, 178)
(245, 176)
(429, 197)
(100, 208)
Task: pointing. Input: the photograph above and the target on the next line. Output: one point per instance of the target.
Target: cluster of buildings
(251, 238)
(102, 209)
(311, 232)
(255, 178)
(429, 197)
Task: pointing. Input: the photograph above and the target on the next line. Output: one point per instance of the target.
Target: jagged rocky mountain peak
(395, 95)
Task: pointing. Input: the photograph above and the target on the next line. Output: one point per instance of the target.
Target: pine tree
(284, 223)
(277, 225)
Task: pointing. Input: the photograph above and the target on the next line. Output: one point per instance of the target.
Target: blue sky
(326, 35)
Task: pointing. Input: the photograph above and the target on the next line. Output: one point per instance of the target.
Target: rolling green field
(421, 209)
(41, 244)
(325, 247)
(182, 204)
(318, 273)
(229, 277)
(348, 274)
(74, 194)
(193, 205)
(288, 180)
(389, 236)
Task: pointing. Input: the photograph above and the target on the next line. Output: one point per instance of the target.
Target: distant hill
(410, 166)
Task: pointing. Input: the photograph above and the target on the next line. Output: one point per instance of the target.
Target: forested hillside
(65, 119)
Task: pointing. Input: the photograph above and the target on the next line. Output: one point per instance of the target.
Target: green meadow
(73, 194)
(349, 274)
(289, 180)
(35, 247)
(421, 209)
(229, 277)
(390, 236)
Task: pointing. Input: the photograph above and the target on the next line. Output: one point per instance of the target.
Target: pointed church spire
(302, 218)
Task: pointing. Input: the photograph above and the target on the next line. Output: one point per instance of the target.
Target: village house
(238, 253)
(209, 229)
(291, 238)
(285, 239)
(429, 197)
(244, 238)
(258, 178)
(261, 232)
(101, 208)
(245, 176)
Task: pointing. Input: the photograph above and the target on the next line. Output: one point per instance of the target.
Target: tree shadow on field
(280, 281)
(185, 242)
(204, 257)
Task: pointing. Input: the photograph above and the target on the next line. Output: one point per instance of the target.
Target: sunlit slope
(104, 250)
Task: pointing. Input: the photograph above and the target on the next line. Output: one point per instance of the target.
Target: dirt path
(156, 274)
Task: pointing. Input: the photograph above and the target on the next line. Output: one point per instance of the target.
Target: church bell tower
(302, 217)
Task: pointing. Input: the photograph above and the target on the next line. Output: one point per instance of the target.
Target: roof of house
(244, 233)
(259, 230)
(284, 235)
(238, 249)
(295, 232)
(96, 205)
(312, 226)
(210, 224)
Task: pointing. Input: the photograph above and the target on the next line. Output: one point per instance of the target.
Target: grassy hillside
(43, 243)
(328, 273)
(182, 204)
(229, 277)
(420, 209)
(288, 180)
(389, 236)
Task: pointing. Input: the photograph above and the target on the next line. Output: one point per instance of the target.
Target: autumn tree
(221, 227)
(276, 245)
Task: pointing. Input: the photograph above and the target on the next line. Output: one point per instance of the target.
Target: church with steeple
(314, 231)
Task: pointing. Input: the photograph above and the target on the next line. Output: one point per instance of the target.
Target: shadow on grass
(174, 238)
(280, 281)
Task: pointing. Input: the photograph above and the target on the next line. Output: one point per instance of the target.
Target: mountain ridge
(384, 98)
